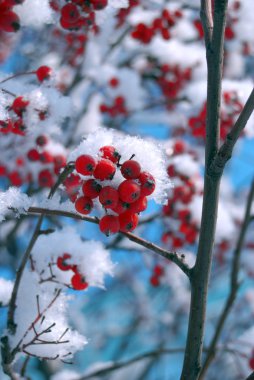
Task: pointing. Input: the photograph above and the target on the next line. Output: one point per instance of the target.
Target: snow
(13, 198)
(35, 13)
(6, 287)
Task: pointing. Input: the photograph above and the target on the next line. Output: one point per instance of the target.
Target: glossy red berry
(33, 155)
(109, 197)
(19, 105)
(129, 191)
(158, 270)
(84, 205)
(130, 169)
(179, 147)
(110, 153)
(109, 224)
(41, 140)
(62, 262)
(105, 170)
(113, 82)
(85, 164)
(128, 221)
(121, 207)
(79, 282)
(147, 183)
(91, 188)
(139, 205)
(43, 72)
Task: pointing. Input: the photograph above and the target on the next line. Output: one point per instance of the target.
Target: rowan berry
(104, 170)
(108, 197)
(109, 152)
(45, 178)
(113, 82)
(84, 205)
(147, 183)
(121, 207)
(155, 281)
(79, 282)
(139, 205)
(46, 157)
(251, 363)
(128, 221)
(158, 270)
(70, 13)
(9, 21)
(43, 72)
(41, 140)
(33, 155)
(109, 224)
(85, 164)
(61, 262)
(129, 191)
(99, 4)
(130, 169)
(19, 105)
(91, 188)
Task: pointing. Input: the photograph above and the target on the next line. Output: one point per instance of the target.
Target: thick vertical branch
(201, 271)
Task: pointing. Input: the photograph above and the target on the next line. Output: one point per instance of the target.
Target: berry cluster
(158, 272)
(185, 231)
(118, 107)
(124, 12)
(78, 281)
(231, 107)
(123, 202)
(9, 20)
(162, 25)
(78, 14)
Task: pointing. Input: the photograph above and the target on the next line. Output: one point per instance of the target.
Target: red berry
(85, 164)
(110, 153)
(99, 4)
(79, 282)
(19, 105)
(251, 363)
(130, 169)
(121, 207)
(61, 262)
(46, 157)
(84, 205)
(179, 147)
(91, 188)
(139, 205)
(33, 155)
(41, 140)
(9, 21)
(43, 72)
(128, 221)
(114, 82)
(105, 169)
(155, 281)
(147, 183)
(45, 178)
(109, 197)
(109, 224)
(129, 191)
(158, 270)
(70, 13)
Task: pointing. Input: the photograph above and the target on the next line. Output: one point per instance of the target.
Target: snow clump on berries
(149, 155)
(35, 13)
(90, 258)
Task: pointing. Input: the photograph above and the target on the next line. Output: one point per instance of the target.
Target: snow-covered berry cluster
(126, 200)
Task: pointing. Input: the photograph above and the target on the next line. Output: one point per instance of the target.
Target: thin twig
(173, 256)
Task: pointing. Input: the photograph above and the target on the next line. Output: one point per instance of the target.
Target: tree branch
(200, 274)
(172, 256)
(234, 286)
(207, 20)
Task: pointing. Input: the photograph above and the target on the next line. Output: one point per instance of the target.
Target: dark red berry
(129, 191)
(155, 281)
(91, 188)
(46, 178)
(41, 140)
(158, 270)
(61, 262)
(84, 205)
(104, 170)
(130, 169)
(139, 205)
(109, 197)
(85, 164)
(19, 105)
(33, 155)
(70, 13)
(99, 4)
(109, 224)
